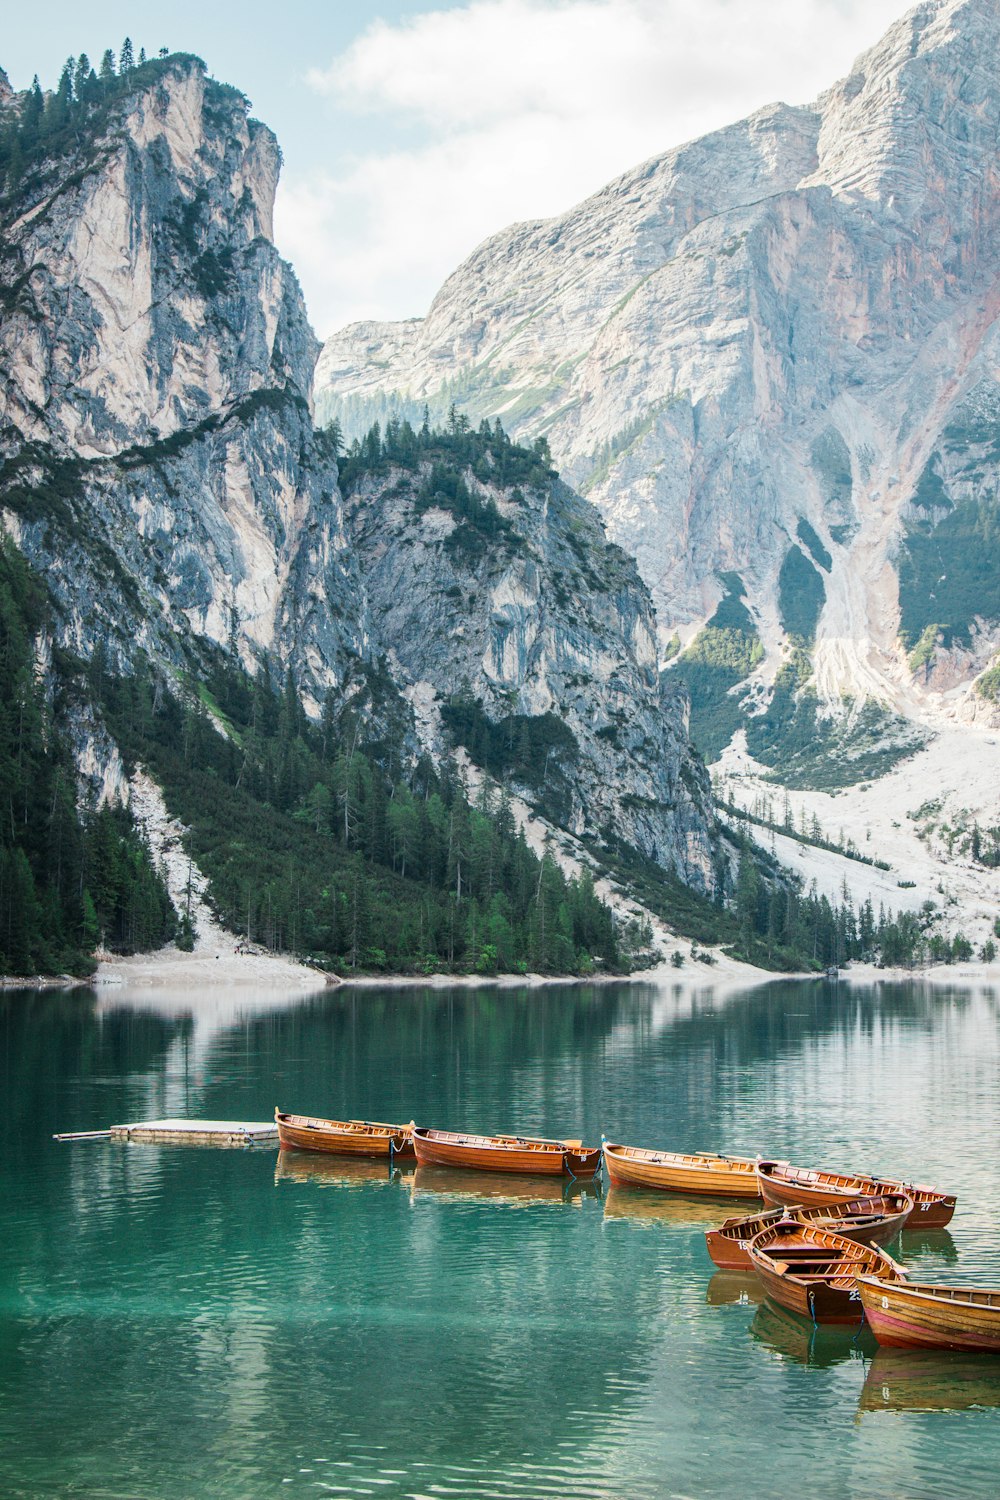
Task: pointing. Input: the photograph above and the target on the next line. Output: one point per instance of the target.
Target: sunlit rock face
(161, 467)
(549, 624)
(155, 413)
(790, 319)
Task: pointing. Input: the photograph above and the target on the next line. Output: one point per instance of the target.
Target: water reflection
(930, 1380)
(499, 1187)
(935, 1245)
(419, 1339)
(668, 1208)
(805, 1342)
(734, 1288)
(333, 1171)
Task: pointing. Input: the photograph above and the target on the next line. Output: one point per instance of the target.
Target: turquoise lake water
(179, 1322)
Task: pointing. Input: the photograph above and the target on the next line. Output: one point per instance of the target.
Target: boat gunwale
(937, 1293)
(378, 1129)
(543, 1145)
(812, 1215)
(702, 1161)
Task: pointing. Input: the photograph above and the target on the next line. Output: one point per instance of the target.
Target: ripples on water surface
(181, 1322)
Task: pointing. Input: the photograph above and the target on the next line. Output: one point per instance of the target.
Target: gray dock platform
(199, 1132)
(187, 1133)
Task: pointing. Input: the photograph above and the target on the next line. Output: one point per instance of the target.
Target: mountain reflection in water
(404, 1331)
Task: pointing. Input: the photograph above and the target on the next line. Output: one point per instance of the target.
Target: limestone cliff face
(159, 464)
(544, 633)
(783, 322)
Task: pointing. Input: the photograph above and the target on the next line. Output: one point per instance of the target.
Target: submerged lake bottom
(183, 1321)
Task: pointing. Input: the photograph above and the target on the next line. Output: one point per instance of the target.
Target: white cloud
(510, 109)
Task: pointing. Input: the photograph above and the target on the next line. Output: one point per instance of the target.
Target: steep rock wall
(778, 322)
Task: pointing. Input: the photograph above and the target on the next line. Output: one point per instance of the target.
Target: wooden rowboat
(673, 1172)
(504, 1153)
(868, 1221)
(925, 1316)
(782, 1186)
(814, 1273)
(344, 1137)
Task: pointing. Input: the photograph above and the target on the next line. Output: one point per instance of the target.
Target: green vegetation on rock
(801, 595)
(988, 683)
(950, 573)
(49, 126)
(720, 657)
(832, 463)
(68, 883)
(930, 493)
(315, 840)
(807, 749)
(532, 750)
(765, 917)
(814, 546)
(922, 655)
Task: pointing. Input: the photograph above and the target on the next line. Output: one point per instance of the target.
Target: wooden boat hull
(673, 1172)
(520, 1154)
(783, 1186)
(343, 1137)
(812, 1272)
(926, 1316)
(867, 1221)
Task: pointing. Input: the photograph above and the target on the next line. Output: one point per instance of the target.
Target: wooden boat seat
(838, 1280)
(813, 1270)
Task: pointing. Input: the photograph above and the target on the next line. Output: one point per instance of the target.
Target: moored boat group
(817, 1248)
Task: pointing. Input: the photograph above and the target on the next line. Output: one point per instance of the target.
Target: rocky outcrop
(779, 323)
(534, 646)
(159, 464)
(155, 420)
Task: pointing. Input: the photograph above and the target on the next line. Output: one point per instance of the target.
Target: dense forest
(319, 839)
(486, 451)
(68, 883)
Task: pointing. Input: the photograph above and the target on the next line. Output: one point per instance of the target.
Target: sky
(412, 131)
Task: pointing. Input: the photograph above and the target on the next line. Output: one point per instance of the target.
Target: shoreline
(169, 968)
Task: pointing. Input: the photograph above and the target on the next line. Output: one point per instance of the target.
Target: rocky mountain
(159, 466)
(159, 460)
(771, 358)
(513, 627)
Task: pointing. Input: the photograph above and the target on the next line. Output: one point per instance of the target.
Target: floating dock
(186, 1133)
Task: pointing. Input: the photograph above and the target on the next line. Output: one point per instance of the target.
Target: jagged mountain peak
(915, 106)
(755, 354)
